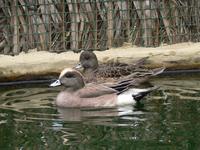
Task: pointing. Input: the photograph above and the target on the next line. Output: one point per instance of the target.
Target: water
(167, 119)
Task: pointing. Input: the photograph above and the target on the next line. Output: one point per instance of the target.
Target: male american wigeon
(78, 94)
(92, 71)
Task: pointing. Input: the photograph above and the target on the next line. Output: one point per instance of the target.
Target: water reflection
(100, 116)
(167, 119)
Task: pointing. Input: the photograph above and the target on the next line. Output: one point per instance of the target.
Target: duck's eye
(69, 75)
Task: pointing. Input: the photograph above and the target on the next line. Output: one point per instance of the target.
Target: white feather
(137, 91)
(126, 97)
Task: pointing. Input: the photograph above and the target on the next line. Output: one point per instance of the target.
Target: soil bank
(39, 64)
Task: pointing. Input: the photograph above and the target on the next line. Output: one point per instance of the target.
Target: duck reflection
(97, 116)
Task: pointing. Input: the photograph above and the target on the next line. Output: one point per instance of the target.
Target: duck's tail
(157, 71)
(141, 93)
(133, 95)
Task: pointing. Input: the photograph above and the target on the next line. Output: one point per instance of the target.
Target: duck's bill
(78, 66)
(55, 83)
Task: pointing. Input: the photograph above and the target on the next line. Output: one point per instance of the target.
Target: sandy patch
(36, 63)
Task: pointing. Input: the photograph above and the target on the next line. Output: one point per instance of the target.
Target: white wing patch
(126, 98)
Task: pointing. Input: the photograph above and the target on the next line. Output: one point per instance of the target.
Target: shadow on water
(167, 119)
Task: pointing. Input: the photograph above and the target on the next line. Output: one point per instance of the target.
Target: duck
(93, 72)
(77, 93)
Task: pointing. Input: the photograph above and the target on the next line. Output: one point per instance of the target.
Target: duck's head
(88, 61)
(70, 79)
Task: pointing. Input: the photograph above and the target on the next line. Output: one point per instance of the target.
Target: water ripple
(169, 117)
(37, 103)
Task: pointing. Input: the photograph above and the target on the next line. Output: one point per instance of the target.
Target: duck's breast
(65, 99)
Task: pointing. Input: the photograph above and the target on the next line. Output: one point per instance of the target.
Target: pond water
(169, 118)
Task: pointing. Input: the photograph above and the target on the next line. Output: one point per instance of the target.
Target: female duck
(94, 72)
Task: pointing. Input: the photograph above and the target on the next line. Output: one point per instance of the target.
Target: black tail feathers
(137, 97)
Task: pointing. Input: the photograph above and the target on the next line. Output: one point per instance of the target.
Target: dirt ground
(38, 63)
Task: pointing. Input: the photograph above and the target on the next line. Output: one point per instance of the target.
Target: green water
(167, 119)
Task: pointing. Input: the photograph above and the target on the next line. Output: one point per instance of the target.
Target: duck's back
(113, 71)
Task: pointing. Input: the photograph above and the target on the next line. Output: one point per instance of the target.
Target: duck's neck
(90, 73)
(89, 70)
(71, 90)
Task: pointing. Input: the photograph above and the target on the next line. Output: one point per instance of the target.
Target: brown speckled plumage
(93, 72)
